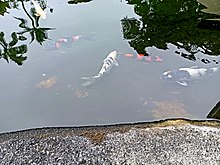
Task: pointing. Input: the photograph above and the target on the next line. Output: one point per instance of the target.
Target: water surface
(46, 90)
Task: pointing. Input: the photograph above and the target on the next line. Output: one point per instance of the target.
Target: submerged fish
(183, 75)
(39, 11)
(65, 42)
(142, 57)
(108, 63)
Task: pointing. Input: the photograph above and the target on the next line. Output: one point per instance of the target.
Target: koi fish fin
(183, 83)
(194, 67)
(86, 78)
(116, 63)
(89, 81)
(91, 78)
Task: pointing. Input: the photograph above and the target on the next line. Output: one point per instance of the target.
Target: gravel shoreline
(175, 141)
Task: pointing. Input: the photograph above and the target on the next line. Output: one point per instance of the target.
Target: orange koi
(140, 56)
(129, 55)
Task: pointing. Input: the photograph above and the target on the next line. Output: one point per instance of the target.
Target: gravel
(170, 142)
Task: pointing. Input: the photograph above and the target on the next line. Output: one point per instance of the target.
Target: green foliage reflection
(171, 21)
(11, 51)
(36, 33)
(3, 7)
(14, 50)
(78, 1)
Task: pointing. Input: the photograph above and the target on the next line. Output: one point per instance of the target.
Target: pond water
(46, 90)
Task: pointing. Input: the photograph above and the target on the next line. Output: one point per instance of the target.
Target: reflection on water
(181, 23)
(15, 49)
(47, 89)
(213, 6)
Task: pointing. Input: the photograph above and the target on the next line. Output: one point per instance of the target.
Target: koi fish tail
(87, 83)
(89, 80)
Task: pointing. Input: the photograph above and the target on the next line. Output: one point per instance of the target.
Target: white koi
(108, 63)
(183, 75)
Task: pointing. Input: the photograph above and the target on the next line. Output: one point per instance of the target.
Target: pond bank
(175, 141)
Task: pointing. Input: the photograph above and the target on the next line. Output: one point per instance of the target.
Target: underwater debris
(164, 109)
(169, 109)
(48, 83)
(81, 93)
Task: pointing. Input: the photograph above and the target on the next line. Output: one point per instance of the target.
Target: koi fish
(183, 75)
(39, 11)
(65, 42)
(108, 63)
(142, 57)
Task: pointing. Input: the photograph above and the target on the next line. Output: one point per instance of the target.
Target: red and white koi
(64, 42)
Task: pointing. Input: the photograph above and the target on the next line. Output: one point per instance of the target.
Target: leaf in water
(14, 39)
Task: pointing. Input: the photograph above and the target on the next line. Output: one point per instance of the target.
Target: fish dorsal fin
(183, 83)
(116, 63)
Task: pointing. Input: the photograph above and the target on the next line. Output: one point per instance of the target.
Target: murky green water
(46, 89)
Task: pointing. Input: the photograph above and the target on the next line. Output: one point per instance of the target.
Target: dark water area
(41, 88)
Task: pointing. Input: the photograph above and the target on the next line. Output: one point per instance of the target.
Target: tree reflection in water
(179, 22)
(15, 49)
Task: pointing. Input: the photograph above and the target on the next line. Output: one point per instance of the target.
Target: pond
(44, 59)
